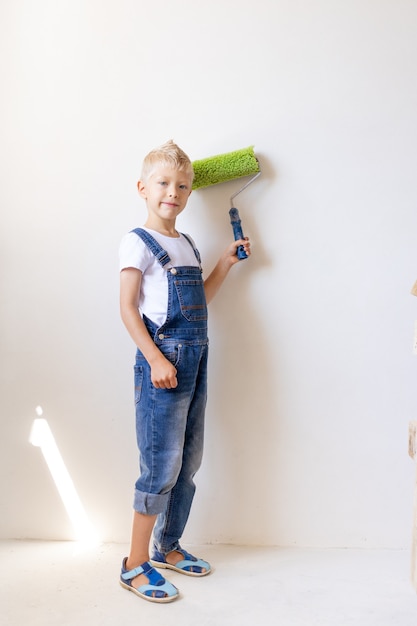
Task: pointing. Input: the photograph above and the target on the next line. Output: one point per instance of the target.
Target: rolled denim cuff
(150, 503)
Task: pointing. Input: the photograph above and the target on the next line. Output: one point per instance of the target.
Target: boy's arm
(163, 373)
(229, 258)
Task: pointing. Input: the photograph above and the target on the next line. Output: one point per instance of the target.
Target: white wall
(312, 380)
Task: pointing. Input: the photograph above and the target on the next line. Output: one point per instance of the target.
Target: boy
(163, 306)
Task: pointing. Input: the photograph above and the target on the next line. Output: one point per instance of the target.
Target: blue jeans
(170, 432)
(170, 422)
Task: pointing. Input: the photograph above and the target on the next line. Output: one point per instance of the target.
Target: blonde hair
(168, 154)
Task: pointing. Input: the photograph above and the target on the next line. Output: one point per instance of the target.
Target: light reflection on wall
(42, 437)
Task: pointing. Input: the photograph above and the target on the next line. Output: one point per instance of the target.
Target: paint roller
(225, 167)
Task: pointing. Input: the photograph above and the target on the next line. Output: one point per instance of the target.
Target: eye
(183, 187)
(162, 182)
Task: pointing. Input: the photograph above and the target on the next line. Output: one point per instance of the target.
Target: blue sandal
(190, 565)
(157, 590)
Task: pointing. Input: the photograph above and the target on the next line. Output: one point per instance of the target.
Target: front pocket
(171, 352)
(192, 299)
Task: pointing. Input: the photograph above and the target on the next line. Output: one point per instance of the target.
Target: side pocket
(138, 382)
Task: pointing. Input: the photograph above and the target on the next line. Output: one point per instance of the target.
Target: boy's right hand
(163, 374)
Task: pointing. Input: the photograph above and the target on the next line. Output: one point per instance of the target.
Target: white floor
(60, 584)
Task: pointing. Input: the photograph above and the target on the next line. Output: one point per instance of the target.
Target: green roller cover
(224, 167)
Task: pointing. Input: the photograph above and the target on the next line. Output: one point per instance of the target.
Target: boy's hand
(232, 249)
(163, 374)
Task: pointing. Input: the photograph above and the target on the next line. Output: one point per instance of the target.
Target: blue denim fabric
(170, 422)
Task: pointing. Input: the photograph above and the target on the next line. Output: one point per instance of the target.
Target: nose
(173, 191)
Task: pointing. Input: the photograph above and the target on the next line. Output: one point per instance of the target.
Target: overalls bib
(170, 422)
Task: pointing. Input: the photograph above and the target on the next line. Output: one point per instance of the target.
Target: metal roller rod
(244, 187)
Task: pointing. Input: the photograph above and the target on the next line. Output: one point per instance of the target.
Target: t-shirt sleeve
(133, 252)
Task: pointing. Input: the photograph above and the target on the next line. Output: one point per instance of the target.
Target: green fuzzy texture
(224, 167)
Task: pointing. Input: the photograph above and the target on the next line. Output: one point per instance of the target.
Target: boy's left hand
(232, 249)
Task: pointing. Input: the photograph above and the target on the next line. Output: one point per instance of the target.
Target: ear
(141, 189)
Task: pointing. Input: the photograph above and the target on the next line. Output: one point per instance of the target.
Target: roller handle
(237, 232)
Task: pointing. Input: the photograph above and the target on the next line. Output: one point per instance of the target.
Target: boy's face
(166, 192)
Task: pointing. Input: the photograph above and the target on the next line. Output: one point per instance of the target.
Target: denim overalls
(170, 422)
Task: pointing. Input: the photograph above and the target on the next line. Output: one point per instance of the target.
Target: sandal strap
(154, 577)
(129, 575)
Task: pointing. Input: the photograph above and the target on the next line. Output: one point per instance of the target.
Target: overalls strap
(161, 255)
(196, 252)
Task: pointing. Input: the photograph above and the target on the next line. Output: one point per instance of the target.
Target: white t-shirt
(133, 252)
